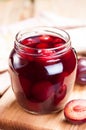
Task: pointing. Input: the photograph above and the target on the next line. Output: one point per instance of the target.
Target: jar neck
(36, 31)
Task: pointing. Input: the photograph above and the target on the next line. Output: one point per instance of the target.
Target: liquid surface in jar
(43, 42)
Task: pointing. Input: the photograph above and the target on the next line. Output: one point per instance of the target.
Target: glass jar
(42, 66)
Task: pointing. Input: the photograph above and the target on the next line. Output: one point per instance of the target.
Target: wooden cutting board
(13, 117)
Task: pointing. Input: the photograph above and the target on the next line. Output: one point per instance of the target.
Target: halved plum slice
(30, 41)
(59, 40)
(46, 38)
(28, 55)
(27, 41)
(75, 111)
(25, 84)
(46, 56)
(60, 94)
(42, 46)
(42, 91)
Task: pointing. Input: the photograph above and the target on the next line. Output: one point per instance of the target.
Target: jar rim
(33, 31)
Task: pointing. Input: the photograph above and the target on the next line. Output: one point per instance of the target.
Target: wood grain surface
(13, 117)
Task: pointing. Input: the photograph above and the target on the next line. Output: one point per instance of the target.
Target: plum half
(75, 111)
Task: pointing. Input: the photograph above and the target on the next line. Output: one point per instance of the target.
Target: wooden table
(13, 117)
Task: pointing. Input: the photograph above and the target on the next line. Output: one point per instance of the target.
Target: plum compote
(42, 66)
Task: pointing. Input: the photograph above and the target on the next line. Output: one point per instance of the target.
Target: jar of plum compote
(42, 66)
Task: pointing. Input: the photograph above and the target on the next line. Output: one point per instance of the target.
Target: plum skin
(81, 71)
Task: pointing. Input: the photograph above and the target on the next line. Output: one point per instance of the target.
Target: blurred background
(66, 14)
(12, 11)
